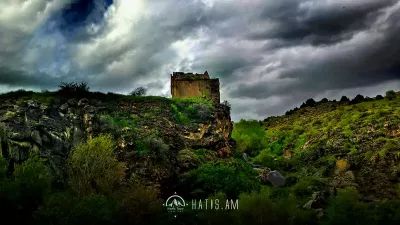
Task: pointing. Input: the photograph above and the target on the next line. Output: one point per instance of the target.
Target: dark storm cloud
(225, 62)
(269, 55)
(20, 78)
(315, 22)
(355, 67)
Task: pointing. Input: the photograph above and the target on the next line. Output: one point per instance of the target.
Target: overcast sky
(270, 55)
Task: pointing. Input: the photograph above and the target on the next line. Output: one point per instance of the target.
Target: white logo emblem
(175, 203)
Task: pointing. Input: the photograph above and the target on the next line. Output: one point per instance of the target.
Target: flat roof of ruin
(191, 76)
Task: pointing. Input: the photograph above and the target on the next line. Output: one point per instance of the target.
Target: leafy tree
(139, 91)
(379, 97)
(344, 99)
(324, 100)
(358, 99)
(390, 95)
(310, 102)
(227, 104)
(249, 136)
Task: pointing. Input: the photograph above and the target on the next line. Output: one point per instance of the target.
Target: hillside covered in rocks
(50, 124)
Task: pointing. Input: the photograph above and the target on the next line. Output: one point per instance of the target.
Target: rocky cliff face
(51, 128)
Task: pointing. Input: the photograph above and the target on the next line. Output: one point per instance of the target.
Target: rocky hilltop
(50, 124)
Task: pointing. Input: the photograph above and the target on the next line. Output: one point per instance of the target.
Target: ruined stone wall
(189, 85)
(214, 88)
(191, 88)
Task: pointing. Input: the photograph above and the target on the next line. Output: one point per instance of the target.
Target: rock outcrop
(51, 130)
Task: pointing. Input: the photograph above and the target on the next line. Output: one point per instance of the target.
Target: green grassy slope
(336, 143)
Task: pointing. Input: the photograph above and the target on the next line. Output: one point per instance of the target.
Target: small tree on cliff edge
(227, 104)
(139, 91)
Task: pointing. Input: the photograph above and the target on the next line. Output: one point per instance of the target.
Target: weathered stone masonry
(189, 85)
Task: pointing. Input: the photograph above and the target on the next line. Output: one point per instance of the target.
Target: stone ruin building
(189, 85)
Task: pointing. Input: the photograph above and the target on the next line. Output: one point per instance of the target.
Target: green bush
(32, 178)
(390, 95)
(387, 212)
(66, 208)
(29, 183)
(198, 112)
(93, 167)
(153, 147)
(306, 185)
(98, 191)
(346, 208)
(24, 190)
(263, 208)
(250, 136)
(178, 116)
(267, 158)
(231, 178)
(136, 201)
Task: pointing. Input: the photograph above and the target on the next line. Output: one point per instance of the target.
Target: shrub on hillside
(358, 99)
(309, 103)
(379, 97)
(390, 95)
(73, 88)
(23, 191)
(29, 182)
(324, 100)
(98, 191)
(344, 99)
(136, 201)
(231, 178)
(346, 208)
(139, 91)
(250, 136)
(199, 112)
(227, 104)
(153, 147)
(265, 208)
(93, 167)
(67, 208)
(387, 212)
